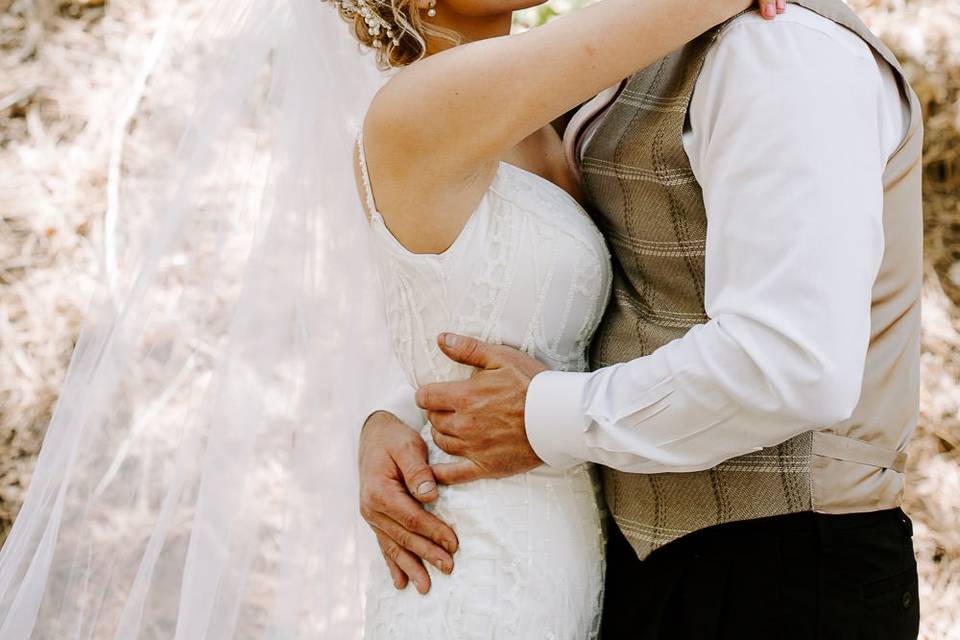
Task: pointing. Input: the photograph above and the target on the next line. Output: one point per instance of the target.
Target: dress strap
(365, 176)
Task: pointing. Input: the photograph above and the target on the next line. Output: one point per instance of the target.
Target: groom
(755, 377)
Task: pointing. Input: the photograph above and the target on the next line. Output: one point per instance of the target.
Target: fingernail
(769, 10)
(441, 564)
(425, 488)
(398, 585)
(781, 5)
(451, 340)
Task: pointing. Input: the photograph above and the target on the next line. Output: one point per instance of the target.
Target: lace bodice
(529, 270)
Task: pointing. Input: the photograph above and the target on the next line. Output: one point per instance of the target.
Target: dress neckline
(377, 217)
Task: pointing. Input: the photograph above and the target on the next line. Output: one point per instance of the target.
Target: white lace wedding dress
(529, 270)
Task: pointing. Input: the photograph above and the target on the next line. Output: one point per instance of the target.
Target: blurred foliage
(536, 16)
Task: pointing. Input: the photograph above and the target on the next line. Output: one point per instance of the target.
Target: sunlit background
(72, 78)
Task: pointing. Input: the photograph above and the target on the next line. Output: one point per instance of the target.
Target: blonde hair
(392, 28)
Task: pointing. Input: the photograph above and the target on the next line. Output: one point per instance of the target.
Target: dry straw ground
(68, 69)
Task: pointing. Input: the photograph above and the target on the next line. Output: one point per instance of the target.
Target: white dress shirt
(791, 125)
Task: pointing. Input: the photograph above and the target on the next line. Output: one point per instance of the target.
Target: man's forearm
(671, 412)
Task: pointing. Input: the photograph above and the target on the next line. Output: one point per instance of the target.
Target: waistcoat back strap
(837, 447)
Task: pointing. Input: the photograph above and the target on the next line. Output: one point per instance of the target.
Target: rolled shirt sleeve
(791, 124)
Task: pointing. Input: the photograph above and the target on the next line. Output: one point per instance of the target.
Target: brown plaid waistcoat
(650, 207)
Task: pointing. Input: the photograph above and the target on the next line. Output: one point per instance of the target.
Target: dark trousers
(804, 575)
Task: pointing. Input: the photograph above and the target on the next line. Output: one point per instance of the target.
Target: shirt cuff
(555, 419)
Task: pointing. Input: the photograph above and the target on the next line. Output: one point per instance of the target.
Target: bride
(196, 478)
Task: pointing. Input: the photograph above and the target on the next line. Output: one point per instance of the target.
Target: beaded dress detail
(529, 270)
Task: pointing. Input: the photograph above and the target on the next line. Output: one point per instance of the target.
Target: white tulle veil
(198, 479)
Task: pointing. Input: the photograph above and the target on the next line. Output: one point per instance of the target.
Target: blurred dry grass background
(925, 34)
(68, 75)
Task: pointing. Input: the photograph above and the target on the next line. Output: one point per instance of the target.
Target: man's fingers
(440, 420)
(418, 545)
(414, 467)
(400, 579)
(469, 351)
(768, 9)
(441, 396)
(411, 515)
(447, 443)
(458, 472)
(408, 563)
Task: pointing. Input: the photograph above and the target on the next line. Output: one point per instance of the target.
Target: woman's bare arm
(444, 121)
(477, 100)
